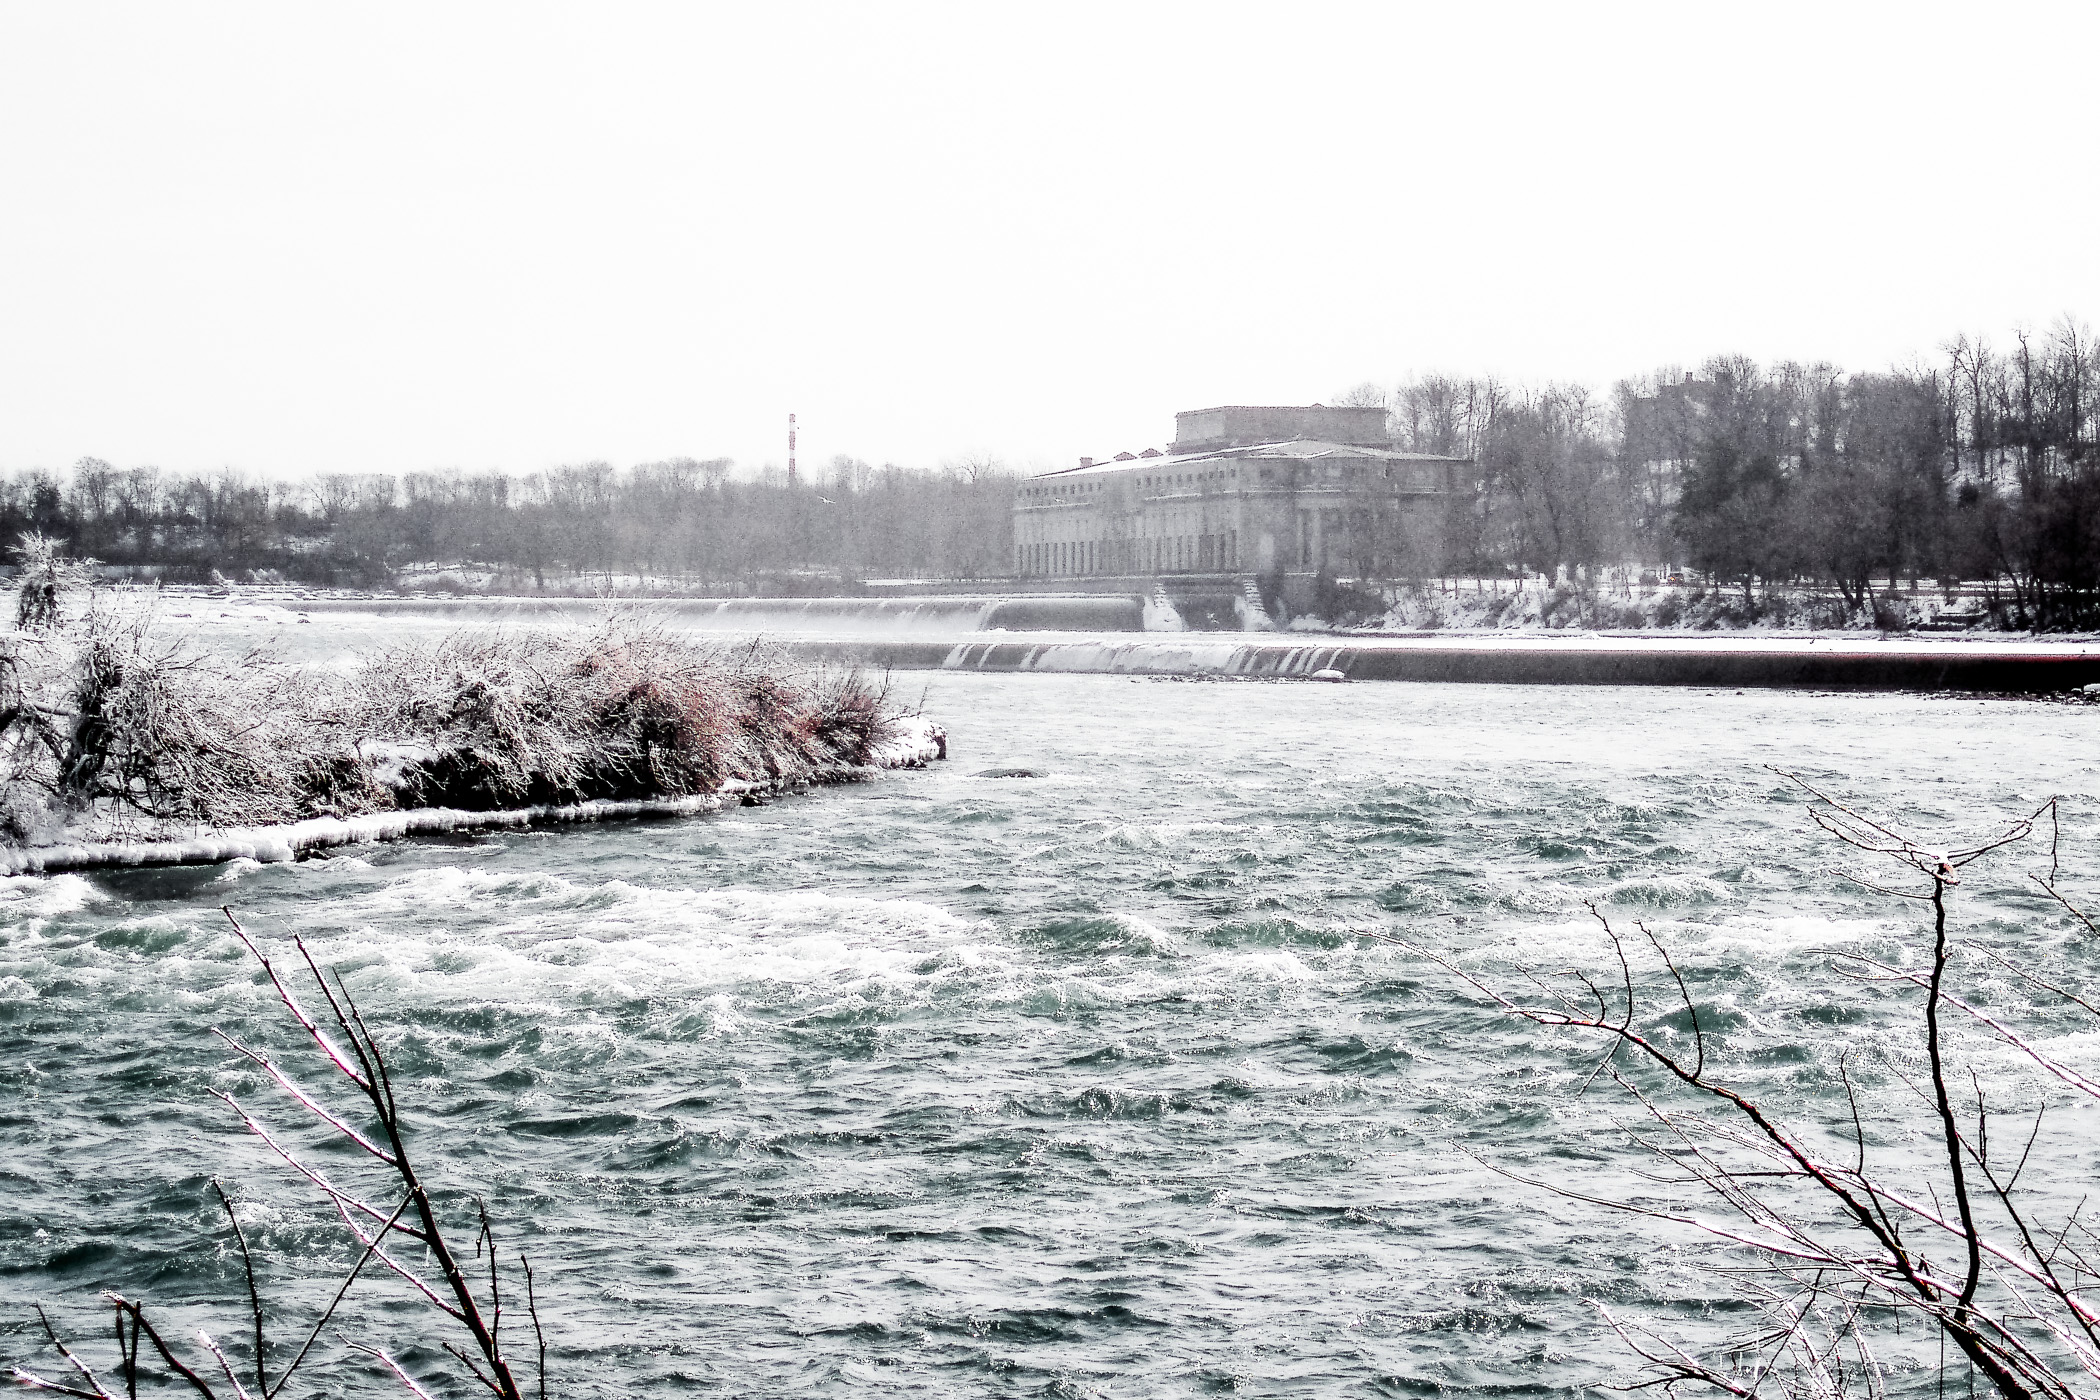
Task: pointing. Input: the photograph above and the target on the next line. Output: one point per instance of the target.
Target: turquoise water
(1096, 1083)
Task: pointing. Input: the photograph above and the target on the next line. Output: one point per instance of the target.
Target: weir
(1810, 664)
(1119, 634)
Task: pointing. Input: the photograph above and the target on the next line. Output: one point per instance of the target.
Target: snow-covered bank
(1451, 605)
(121, 741)
(914, 742)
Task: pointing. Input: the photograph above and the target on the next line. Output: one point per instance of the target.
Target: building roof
(1295, 450)
(1250, 425)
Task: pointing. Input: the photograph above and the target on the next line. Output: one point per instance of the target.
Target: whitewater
(1100, 1082)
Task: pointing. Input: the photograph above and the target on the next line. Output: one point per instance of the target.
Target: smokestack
(791, 451)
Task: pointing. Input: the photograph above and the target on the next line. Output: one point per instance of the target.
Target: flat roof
(1297, 449)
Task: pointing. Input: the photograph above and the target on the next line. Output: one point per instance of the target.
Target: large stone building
(1245, 491)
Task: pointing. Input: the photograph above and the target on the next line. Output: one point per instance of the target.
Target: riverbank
(946, 633)
(130, 736)
(914, 742)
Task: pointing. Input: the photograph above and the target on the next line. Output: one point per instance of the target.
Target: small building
(1246, 490)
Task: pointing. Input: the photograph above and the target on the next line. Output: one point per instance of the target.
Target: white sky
(294, 238)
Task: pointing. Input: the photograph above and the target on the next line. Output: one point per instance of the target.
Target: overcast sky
(296, 238)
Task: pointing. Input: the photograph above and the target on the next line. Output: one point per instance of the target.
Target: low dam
(1721, 662)
(1121, 635)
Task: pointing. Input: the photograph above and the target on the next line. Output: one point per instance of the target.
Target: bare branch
(392, 1365)
(262, 1382)
(291, 1004)
(341, 1293)
(307, 1100)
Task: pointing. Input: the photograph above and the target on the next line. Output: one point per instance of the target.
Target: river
(1095, 1083)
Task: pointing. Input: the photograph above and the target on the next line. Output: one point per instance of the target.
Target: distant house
(1244, 490)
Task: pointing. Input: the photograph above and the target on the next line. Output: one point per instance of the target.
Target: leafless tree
(1844, 1237)
(474, 1308)
(1365, 395)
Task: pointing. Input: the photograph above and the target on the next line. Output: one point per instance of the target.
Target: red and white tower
(791, 451)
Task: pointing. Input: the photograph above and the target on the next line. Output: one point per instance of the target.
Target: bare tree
(1364, 395)
(474, 1309)
(1841, 1234)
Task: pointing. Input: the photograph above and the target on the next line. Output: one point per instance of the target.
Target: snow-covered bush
(44, 579)
(111, 722)
(113, 727)
(1566, 606)
(491, 719)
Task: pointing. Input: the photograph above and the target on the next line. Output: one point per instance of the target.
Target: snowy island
(125, 744)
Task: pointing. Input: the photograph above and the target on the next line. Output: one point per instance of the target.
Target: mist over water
(1088, 1083)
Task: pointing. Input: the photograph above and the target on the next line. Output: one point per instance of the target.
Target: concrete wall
(1208, 429)
(1237, 514)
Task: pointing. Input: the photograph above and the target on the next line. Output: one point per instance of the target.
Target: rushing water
(1088, 1083)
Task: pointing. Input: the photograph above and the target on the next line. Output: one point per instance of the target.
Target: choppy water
(1076, 1085)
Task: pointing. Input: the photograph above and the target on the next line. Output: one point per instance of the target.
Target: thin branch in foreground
(262, 1381)
(1840, 1241)
(351, 1048)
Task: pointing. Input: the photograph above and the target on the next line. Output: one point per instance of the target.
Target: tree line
(1981, 465)
(681, 522)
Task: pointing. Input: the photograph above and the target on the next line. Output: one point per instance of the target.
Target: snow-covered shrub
(1693, 608)
(199, 740)
(113, 727)
(109, 720)
(1565, 606)
(45, 579)
(489, 719)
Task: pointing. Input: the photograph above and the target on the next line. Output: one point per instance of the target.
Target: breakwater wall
(1807, 664)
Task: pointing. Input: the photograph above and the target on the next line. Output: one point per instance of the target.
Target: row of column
(1155, 554)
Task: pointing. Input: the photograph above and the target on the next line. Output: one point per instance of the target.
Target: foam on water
(38, 896)
(1107, 1082)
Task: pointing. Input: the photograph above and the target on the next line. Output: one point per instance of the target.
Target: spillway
(1794, 663)
(1112, 634)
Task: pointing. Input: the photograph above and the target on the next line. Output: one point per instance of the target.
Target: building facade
(1245, 490)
